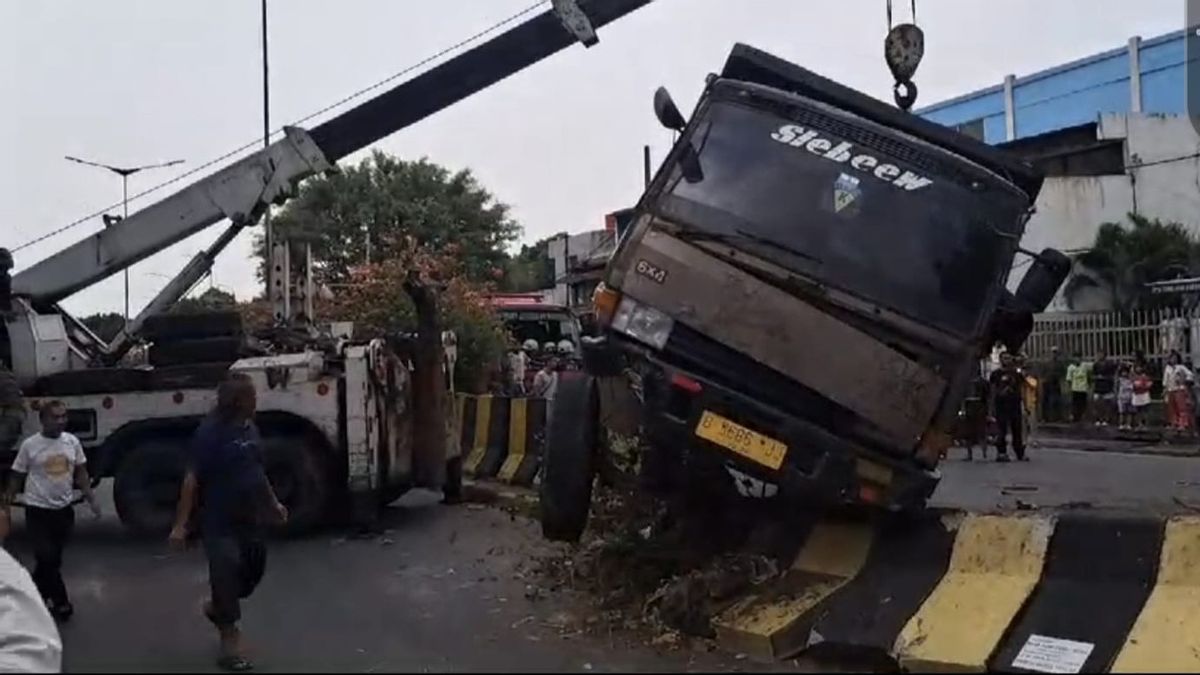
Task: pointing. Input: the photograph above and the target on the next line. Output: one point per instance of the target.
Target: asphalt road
(1061, 478)
(443, 590)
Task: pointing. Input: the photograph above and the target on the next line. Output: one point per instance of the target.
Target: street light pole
(268, 233)
(124, 173)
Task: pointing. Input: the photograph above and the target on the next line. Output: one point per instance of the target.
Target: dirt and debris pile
(645, 569)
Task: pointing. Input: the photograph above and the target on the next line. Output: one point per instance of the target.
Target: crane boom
(243, 190)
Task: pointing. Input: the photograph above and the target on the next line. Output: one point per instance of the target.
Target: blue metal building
(1146, 76)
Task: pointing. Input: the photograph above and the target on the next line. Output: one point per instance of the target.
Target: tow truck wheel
(146, 489)
(569, 464)
(296, 471)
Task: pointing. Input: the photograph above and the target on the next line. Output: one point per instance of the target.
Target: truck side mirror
(1011, 324)
(1013, 321)
(1041, 283)
(666, 111)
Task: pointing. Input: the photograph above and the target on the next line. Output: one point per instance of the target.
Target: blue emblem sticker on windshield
(846, 193)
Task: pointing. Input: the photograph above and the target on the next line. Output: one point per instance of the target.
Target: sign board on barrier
(1044, 654)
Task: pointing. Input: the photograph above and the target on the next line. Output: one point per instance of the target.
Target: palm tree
(1124, 259)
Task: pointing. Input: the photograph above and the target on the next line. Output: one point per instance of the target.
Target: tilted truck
(336, 414)
(799, 308)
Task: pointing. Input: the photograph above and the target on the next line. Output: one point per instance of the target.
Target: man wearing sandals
(226, 481)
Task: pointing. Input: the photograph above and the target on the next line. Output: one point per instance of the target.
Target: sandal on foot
(234, 664)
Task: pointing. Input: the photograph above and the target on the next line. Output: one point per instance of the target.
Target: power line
(358, 94)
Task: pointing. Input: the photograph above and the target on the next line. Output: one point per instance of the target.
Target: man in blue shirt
(226, 481)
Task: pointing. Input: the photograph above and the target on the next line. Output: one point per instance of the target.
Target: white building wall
(582, 246)
(1162, 180)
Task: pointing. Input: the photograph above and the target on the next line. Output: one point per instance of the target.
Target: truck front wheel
(146, 489)
(569, 464)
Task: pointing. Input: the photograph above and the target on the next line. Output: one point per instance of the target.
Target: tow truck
(802, 301)
(337, 415)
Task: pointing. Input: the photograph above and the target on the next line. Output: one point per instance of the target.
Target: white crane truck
(336, 415)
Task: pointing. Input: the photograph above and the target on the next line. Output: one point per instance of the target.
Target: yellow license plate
(733, 436)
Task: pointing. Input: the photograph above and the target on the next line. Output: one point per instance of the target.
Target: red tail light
(686, 383)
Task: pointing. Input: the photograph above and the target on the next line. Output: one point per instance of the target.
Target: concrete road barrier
(970, 592)
(501, 437)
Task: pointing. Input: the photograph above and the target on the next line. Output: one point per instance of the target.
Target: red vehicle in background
(541, 328)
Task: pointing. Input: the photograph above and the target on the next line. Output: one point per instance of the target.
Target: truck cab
(808, 284)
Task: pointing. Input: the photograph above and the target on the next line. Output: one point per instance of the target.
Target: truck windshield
(846, 214)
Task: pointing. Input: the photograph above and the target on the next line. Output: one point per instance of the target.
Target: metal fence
(1155, 333)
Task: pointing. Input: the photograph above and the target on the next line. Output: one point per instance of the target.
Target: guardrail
(502, 437)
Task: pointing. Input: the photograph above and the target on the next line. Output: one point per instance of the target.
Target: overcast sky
(142, 81)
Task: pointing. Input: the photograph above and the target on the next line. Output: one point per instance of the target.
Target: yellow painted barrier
(774, 625)
(1166, 636)
(995, 565)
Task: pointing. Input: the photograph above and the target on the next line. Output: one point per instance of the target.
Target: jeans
(237, 560)
(49, 530)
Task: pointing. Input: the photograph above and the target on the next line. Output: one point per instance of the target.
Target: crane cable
(255, 143)
(889, 13)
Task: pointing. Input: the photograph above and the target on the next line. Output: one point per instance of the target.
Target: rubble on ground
(640, 570)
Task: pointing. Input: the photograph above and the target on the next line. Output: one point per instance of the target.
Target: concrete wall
(1161, 180)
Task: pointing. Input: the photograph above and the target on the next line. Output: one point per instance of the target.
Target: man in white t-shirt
(48, 467)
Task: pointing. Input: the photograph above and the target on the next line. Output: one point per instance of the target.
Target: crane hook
(903, 49)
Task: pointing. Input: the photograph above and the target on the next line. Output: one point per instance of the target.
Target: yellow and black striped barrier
(502, 437)
(967, 592)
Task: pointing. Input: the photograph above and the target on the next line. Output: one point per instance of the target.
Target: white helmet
(565, 347)
(529, 345)
(549, 346)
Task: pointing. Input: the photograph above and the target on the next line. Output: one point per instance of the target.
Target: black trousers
(237, 560)
(1051, 402)
(1079, 401)
(49, 530)
(1009, 420)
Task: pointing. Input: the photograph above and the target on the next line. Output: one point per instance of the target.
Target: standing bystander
(1007, 406)
(1177, 385)
(1079, 377)
(47, 469)
(518, 361)
(1125, 396)
(1142, 383)
(1053, 376)
(1104, 388)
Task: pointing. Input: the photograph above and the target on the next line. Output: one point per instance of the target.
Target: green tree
(213, 299)
(105, 325)
(384, 199)
(375, 300)
(1123, 259)
(531, 269)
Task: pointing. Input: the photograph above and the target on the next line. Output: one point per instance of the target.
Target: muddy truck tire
(569, 464)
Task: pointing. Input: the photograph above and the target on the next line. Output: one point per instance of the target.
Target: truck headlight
(642, 323)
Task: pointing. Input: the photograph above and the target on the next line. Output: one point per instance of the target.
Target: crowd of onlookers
(1107, 391)
(1010, 397)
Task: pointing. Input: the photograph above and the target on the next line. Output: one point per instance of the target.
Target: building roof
(1075, 93)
